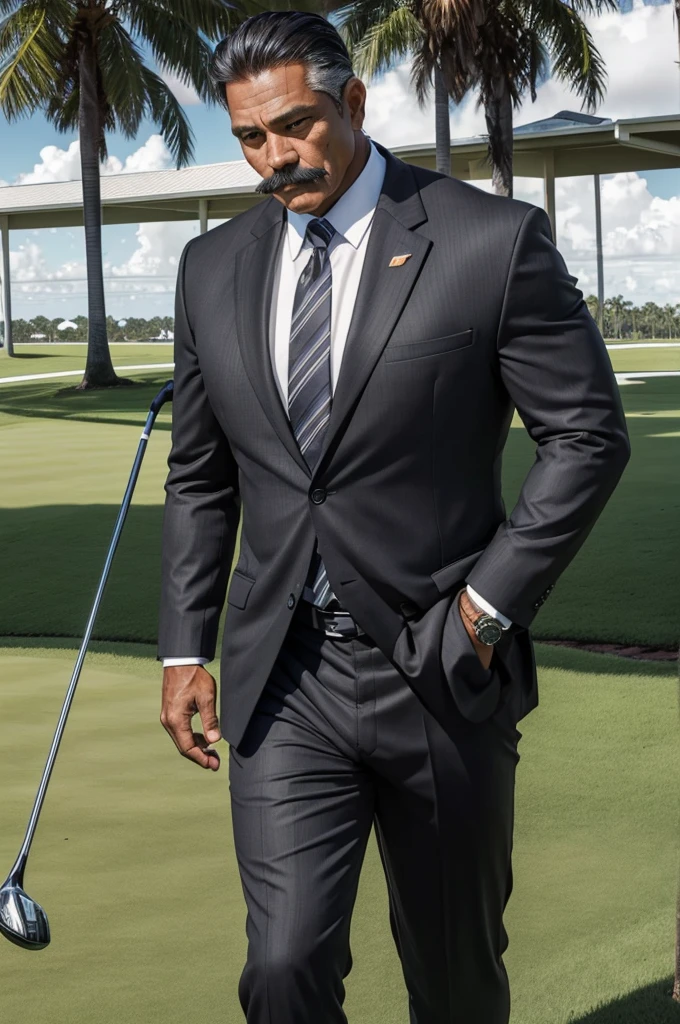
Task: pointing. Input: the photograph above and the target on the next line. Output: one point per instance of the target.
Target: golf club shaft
(163, 395)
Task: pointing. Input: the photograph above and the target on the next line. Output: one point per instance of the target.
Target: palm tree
(83, 63)
(498, 49)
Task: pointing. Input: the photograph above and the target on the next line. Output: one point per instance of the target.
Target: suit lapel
(382, 294)
(383, 290)
(254, 270)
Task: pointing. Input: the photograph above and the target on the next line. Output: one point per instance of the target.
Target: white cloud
(154, 155)
(186, 94)
(64, 164)
(55, 165)
(27, 263)
(153, 264)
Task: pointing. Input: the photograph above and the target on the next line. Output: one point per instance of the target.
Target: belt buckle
(349, 630)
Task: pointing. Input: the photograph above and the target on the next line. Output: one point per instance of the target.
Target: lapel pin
(398, 261)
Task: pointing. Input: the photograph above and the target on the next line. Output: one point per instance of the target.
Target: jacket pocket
(455, 571)
(239, 590)
(430, 346)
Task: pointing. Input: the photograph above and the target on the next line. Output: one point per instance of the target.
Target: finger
(205, 702)
(201, 753)
(178, 725)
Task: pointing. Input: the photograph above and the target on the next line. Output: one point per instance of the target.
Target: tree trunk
(99, 370)
(498, 113)
(442, 123)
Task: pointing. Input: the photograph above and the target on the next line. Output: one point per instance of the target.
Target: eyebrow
(289, 115)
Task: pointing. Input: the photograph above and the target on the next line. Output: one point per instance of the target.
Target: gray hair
(274, 38)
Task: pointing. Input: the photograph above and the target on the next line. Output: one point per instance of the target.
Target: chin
(303, 202)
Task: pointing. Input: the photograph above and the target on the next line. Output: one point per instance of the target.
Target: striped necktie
(309, 374)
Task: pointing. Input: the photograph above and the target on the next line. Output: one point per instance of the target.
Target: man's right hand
(190, 690)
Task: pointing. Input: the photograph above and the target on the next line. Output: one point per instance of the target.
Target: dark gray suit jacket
(406, 497)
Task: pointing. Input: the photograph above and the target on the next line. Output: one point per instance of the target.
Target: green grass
(66, 459)
(644, 359)
(53, 358)
(134, 864)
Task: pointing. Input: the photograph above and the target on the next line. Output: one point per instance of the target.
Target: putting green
(133, 857)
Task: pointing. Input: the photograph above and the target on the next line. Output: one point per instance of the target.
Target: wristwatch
(487, 629)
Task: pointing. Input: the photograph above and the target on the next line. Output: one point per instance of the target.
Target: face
(288, 132)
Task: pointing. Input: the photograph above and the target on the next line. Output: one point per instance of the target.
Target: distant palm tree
(84, 64)
(499, 49)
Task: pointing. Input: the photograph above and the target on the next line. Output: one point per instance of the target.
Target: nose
(280, 152)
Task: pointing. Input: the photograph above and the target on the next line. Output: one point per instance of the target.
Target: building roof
(568, 143)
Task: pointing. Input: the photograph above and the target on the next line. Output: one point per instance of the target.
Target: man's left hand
(484, 651)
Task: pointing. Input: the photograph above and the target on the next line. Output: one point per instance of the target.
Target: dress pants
(339, 742)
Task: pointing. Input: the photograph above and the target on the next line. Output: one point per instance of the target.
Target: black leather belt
(337, 623)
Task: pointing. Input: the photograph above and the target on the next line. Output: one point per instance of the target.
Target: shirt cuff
(489, 608)
(185, 661)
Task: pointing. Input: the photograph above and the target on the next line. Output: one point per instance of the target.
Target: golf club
(22, 920)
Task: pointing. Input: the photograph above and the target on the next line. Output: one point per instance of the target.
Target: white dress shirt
(351, 216)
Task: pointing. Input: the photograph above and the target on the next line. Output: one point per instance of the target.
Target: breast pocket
(430, 346)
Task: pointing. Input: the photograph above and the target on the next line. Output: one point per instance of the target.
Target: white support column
(549, 189)
(598, 250)
(203, 214)
(8, 348)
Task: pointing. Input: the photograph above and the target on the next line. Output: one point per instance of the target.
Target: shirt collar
(351, 214)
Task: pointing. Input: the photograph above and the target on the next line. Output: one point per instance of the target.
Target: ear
(355, 98)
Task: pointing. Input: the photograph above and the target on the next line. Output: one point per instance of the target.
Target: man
(348, 357)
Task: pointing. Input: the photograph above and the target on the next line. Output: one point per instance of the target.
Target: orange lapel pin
(398, 261)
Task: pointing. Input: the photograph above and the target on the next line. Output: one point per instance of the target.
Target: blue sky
(641, 210)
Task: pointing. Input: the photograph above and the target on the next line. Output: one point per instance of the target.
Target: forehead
(268, 93)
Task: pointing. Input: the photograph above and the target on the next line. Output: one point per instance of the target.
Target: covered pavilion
(569, 143)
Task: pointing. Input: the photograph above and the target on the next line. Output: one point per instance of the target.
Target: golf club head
(22, 920)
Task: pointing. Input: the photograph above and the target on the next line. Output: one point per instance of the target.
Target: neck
(356, 165)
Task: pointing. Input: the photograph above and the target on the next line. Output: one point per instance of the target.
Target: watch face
(488, 630)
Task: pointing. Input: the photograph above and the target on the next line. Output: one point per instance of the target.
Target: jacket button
(318, 495)
(291, 601)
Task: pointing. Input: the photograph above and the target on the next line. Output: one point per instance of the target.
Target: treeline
(622, 319)
(133, 329)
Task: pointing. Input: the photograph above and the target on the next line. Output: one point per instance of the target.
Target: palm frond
(123, 87)
(386, 41)
(576, 61)
(593, 7)
(354, 20)
(29, 50)
(166, 111)
(453, 19)
(61, 110)
(213, 18)
(175, 43)
(537, 61)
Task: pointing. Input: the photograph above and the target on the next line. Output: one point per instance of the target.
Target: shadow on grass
(36, 355)
(649, 1005)
(53, 558)
(48, 400)
(49, 644)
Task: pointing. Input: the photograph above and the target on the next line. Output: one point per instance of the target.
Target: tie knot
(320, 231)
